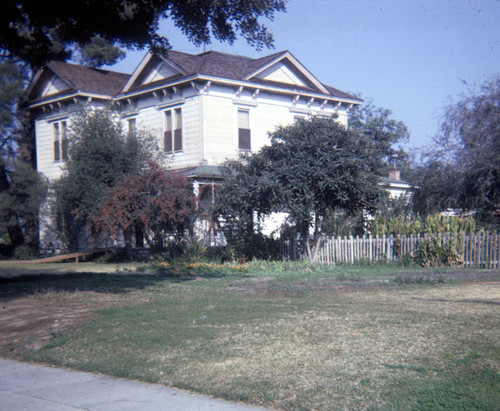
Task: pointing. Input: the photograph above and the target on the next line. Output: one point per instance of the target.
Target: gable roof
(78, 78)
(229, 66)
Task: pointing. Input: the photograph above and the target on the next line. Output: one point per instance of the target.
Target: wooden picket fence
(475, 250)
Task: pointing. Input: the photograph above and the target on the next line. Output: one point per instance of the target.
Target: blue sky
(413, 57)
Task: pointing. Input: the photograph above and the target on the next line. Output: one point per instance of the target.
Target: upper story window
(173, 130)
(244, 137)
(60, 132)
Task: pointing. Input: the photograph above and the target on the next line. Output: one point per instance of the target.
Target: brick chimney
(394, 174)
(393, 167)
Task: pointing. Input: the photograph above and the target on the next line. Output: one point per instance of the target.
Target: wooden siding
(209, 122)
(151, 116)
(45, 148)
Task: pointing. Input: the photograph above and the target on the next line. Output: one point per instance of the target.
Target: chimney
(394, 173)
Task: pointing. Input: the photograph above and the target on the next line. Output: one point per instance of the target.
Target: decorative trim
(177, 102)
(130, 114)
(244, 103)
(56, 117)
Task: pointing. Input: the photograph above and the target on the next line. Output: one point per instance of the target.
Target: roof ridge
(83, 66)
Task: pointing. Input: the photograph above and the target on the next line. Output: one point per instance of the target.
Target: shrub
(434, 252)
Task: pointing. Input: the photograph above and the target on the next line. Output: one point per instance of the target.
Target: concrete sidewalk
(34, 387)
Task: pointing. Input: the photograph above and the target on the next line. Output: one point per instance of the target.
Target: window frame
(173, 135)
(60, 140)
(244, 133)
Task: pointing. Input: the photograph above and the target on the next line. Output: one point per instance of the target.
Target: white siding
(45, 148)
(151, 115)
(267, 111)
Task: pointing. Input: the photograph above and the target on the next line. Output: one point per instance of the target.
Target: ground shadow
(119, 283)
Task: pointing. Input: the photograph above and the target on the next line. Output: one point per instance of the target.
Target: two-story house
(204, 108)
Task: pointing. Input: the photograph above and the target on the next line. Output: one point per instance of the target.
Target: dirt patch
(28, 322)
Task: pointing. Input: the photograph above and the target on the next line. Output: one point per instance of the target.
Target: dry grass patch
(344, 346)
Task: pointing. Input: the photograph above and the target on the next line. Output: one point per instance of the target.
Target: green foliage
(38, 32)
(12, 78)
(20, 202)
(100, 154)
(382, 131)
(431, 224)
(462, 169)
(189, 258)
(436, 252)
(99, 52)
(310, 168)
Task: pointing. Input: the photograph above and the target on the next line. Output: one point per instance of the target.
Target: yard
(283, 336)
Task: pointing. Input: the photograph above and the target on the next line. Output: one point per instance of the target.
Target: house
(204, 108)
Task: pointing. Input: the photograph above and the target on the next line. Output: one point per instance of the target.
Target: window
(173, 130)
(132, 125)
(244, 140)
(60, 131)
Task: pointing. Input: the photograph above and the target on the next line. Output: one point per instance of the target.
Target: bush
(436, 253)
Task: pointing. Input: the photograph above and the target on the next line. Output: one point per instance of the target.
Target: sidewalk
(26, 386)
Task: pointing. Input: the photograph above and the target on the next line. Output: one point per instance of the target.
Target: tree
(100, 154)
(19, 205)
(382, 131)
(17, 211)
(99, 52)
(154, 201)
(40, 31)
(438, 187)
(462, 167)
(310, 168)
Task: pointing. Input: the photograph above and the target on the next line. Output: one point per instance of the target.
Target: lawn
(282, 336)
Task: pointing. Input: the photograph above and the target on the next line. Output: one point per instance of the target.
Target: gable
(286, 67)
(53, 86)
(151, 69)
(283, 73)
(159, 72)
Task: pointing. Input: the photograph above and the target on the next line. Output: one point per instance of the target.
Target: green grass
(296, 337)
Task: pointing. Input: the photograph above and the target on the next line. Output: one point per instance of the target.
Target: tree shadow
(114, 283)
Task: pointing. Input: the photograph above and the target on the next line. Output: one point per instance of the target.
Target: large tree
(310, 168)
(17, 210)
(462, 168)
(38, 31)
(100, 154)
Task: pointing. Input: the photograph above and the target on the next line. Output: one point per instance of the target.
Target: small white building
(204, 108)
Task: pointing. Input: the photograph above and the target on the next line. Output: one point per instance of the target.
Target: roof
(202, 171)
(211, 64)
(88, 79)
(77, 79)
(233, 67)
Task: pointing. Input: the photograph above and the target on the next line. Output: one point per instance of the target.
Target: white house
(204, 108)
